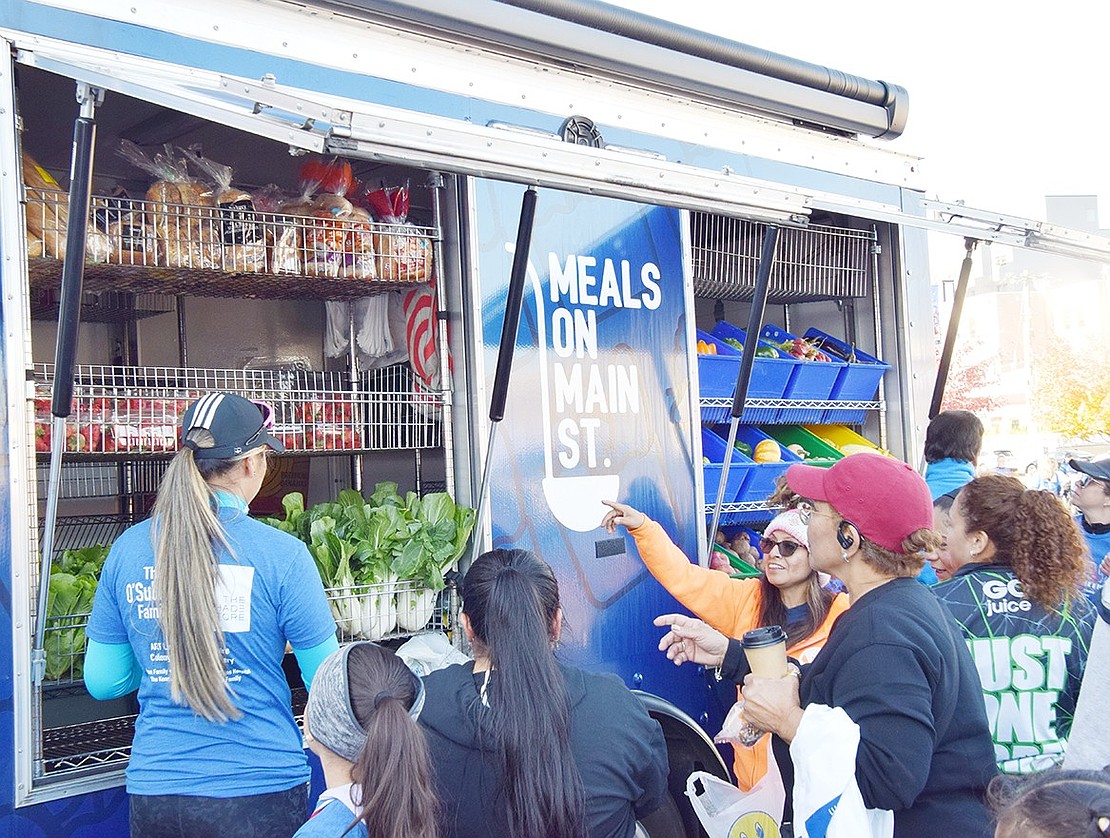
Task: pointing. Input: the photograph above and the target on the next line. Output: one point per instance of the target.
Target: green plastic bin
(821, 454)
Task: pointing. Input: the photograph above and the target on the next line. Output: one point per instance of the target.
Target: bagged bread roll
(404, 255)
(47, 212)
(287, 253)
(325, 235)
(186, 224)
(183, 213)
(359, 260)
(47, 209)
(242, 237)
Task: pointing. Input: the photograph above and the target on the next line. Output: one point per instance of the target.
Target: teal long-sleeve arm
(309, 659)
(111, 670)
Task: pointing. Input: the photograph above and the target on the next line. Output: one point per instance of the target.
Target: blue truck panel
(598, 408)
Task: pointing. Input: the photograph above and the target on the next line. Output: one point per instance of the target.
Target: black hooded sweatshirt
(617, 746)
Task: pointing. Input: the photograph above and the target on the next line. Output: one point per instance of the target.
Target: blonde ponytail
(186, 531)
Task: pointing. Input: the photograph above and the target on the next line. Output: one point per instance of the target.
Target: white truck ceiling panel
(428, 62)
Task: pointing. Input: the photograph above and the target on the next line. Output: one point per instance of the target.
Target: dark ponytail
(511, 599)
(393, 768)
(1032, 533)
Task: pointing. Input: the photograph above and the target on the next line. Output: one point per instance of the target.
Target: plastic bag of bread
(359, 260)
(183, 212)
(324, 220)
(47, 213)
(325, 235)
(283, 232)
(47, 209)
(242, 237)
(125, 225)
(34, 246)
(404, 253)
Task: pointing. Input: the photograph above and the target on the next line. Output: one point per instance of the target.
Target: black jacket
(897, 664)
(1031, 661)
(617, 746)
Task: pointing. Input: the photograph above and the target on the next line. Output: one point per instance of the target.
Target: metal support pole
(352, 383)
(747, 360)
(509, 326)
(953, 328)
(877, 309)
(65, 354)
(438, 185)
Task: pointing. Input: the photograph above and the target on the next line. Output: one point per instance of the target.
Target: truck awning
(319, 122)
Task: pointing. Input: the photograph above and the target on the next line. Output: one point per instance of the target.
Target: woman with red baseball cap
(895, 662)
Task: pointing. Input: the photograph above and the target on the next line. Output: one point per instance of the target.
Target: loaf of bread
(404, 255)
(47, 209)
(186, 223)
(359, 260)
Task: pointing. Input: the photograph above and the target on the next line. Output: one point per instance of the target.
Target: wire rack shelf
(811, 263)
(141, 246)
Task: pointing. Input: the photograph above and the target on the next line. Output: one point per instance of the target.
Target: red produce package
(332, 176)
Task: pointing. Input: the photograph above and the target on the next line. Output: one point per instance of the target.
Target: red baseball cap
(885, 498)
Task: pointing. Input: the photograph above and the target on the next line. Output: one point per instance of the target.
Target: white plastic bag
(373, 329)
(726, 812)
(428, 652)
(827, 801)
(337, 329)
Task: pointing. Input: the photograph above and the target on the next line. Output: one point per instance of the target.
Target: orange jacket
(732, 607)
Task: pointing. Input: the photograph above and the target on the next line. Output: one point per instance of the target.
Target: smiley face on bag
(755, 825)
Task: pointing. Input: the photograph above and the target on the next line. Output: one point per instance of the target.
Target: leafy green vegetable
(359, 542)
(70, 593)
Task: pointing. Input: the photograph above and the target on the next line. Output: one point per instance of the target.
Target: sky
(1008, 101)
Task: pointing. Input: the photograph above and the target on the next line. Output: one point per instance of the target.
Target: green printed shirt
(1030, 662)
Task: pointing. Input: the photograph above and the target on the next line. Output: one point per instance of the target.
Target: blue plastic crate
(761, 482)
(770, 376)
(811, 380)
(741, 467)
(857, 382)
(717, 377)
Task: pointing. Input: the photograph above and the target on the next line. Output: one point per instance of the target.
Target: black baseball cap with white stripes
(237, 424)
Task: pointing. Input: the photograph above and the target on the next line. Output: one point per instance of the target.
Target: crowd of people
(956, 698)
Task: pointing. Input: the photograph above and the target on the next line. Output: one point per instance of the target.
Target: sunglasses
(267, 411)
(786, 548)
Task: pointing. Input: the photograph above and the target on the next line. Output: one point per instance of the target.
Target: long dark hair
(1032, 533)
(772, 610)
(511, 599)
(393, 769)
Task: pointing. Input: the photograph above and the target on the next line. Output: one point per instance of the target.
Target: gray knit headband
(329, 716)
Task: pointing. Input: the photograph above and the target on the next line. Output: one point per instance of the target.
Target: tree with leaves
(1071, 387)
(972, 380)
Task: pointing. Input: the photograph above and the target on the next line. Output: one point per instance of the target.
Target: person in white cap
(194, 609)
(788, 593)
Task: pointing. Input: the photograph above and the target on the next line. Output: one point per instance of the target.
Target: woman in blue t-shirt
(361, 723)
(194, 609)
